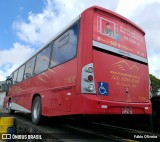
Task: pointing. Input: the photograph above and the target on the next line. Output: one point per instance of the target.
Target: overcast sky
(26, 25)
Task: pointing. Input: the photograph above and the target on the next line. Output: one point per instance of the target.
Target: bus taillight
(90, 78)
(91, 88)
(90, 69)
(87, 82)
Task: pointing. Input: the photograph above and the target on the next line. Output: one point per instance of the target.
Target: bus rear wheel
(10, 110)
(37, 111)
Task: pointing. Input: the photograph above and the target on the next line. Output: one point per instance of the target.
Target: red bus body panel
(126, 81)
(55, 87)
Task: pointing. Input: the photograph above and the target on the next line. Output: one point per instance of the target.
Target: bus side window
(15, 77)
(42, 61)
(54, 56)
(65, 47)
(20, 74)
(29, 68)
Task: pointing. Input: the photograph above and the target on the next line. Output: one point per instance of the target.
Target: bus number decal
(70, 79)
(113, 43)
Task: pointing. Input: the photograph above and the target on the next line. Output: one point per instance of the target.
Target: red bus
(96, 65)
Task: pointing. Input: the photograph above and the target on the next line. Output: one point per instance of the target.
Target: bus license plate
(126, 110)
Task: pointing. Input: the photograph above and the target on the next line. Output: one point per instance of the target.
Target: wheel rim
(36, 110)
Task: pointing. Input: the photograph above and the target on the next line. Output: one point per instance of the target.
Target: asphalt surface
(55, 130)
(2, 110)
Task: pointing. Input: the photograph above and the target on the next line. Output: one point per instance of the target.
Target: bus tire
(10, 110)
(36, 111)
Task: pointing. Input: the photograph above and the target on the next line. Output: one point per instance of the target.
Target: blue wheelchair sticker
(103, 88)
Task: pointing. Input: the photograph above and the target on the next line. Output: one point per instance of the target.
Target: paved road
(2, 110)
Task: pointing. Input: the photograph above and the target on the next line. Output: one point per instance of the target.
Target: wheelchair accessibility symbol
(103, 88)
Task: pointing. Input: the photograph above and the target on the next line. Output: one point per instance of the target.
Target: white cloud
(16, 55)
(13, 57)
(129, 8)
(154, 65)
(42, 26)
(126, 7)
(7, 69)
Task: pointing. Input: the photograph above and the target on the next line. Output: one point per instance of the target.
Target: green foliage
(155, 83)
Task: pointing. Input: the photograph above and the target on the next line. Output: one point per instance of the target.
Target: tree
(155, 83)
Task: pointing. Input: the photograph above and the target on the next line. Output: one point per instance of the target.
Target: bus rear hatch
(120, 60)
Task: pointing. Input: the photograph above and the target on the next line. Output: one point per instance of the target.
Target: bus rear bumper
(90, 104)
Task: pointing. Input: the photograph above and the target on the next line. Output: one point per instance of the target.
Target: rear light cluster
(87, 82)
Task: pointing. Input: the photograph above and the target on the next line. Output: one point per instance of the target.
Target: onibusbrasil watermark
(21, 137)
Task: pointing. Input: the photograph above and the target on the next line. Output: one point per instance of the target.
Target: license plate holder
(127, 110)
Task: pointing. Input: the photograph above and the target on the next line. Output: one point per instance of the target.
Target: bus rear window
(119, 34)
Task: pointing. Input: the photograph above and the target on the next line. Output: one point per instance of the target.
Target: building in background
(2, 93)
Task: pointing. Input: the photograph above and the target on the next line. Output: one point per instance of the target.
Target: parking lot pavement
(2, 110)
